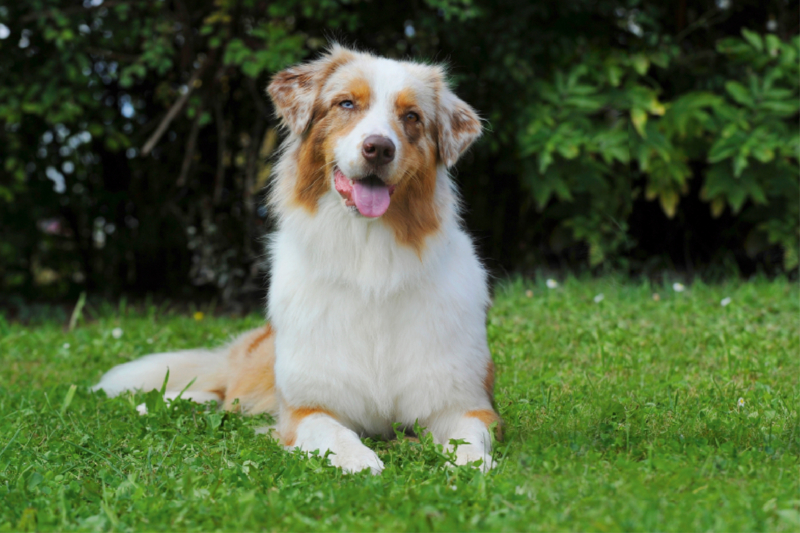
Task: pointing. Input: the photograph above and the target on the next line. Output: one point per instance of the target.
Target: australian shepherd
(377, 301)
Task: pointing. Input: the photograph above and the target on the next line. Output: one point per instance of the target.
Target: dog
(377, 302)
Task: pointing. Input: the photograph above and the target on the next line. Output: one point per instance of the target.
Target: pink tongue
(371, 200)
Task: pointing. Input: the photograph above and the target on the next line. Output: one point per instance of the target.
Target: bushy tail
(240, 375)
(208, 369)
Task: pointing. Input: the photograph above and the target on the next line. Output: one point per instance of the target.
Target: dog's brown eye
(412, 117)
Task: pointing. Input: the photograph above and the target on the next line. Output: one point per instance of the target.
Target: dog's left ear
(294, 90)
(459, 126)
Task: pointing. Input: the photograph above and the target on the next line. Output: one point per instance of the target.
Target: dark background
(633, 136)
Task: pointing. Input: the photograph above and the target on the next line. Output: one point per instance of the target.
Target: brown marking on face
(412, 214)
(316, 155)
(458, 124)
(488, 417)
(406, 99)
(289, 431)
(252, 381)
(360, 92)
(295, 90)
(409, 115)
(312, 177)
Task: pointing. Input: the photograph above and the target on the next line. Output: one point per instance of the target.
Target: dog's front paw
(352, 461)
(467, 457)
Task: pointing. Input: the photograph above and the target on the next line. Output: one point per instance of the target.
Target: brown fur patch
(295, 90)
(252, 379)
(289, 431)
(406, 103)
(266, 333)
(459, 125)
(412, 214)
(315, 159)
(406, 100)
(312, 181)
(220, 392)
(464, 123)
(488, 417)
(360, 92)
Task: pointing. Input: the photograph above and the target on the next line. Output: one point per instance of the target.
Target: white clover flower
(678, 287)
(599, 298)
(149, 341)
(551, 283)
(740, 403)
(116, 333)
(66, 346)
(725, 301)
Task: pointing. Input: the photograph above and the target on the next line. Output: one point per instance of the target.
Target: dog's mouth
(369, 194)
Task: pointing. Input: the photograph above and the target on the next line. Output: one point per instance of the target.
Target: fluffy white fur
(367, 330)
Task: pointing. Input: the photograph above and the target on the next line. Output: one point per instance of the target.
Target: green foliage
(620, 414)
(135, 136)
(599, 132)
(277, 49)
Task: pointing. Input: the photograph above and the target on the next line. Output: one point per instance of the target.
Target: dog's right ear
(294, 90)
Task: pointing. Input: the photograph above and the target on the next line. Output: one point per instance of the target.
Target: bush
(598, 136)
(136, 136)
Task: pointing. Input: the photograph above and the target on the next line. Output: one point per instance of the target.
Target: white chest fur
(369, 329)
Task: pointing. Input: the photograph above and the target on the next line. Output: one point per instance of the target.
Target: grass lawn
(622, 412)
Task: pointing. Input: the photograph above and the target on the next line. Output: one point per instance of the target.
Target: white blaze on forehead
(386, 79)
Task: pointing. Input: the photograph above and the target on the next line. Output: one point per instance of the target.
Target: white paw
(352, 461)
(466, 456)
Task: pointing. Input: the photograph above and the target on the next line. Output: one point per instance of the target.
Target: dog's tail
(243, 370)
(208, 369)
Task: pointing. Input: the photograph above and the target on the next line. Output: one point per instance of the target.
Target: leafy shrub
(599, 135)
(135, 136)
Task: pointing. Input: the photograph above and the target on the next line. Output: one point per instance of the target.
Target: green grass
(619, 415)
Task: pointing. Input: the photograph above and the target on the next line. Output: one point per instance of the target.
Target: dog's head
(373, 131)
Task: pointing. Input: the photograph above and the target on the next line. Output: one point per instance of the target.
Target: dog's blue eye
(347, 104)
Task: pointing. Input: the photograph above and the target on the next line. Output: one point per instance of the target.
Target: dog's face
(373, 132)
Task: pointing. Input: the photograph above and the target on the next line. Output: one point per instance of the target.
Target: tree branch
(191, 144)
(218, 180)
(173, 111)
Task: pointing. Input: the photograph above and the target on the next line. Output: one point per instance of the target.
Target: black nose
(378, 150)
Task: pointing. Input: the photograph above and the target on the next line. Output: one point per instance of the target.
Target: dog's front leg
(315, 429)
(473, 428)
